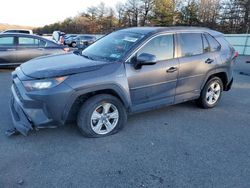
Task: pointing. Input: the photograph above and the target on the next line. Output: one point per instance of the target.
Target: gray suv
(128, 71)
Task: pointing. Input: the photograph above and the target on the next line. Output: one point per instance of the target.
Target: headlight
(33, 85)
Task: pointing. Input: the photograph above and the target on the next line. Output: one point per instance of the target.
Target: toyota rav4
(127, 71)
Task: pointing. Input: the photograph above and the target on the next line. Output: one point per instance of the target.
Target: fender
(215, 71)
(119, 90)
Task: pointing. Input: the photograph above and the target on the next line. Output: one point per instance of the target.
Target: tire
(209, 97)
(94, 120)
(73, 44)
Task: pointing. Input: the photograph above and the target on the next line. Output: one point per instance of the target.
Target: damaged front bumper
(27, 114)
(38, 109)
(21, 122)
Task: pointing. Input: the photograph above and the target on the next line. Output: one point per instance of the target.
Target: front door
(153, 85)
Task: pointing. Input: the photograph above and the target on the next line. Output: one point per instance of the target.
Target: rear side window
(206, 47)
(23, 31)
(214, 45)
(6, 41)
(30, 42)
(190, 44)
(162, 47)
(41, 43)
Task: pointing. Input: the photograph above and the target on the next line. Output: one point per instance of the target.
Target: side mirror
(144, 59)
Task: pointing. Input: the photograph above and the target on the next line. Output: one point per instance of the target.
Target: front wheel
(211, 93)
(101, 115)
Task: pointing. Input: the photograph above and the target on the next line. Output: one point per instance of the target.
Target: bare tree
(146, 9)
(209, 11)
(120, 9)
(133, 9)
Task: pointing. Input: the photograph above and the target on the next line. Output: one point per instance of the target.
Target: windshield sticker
(115, 56)
(130, 39)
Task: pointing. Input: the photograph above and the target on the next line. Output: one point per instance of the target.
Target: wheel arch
(79, 97)
(220, 74)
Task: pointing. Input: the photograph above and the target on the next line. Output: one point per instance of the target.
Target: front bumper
(27, 114)
(39, 109)
(19, 118)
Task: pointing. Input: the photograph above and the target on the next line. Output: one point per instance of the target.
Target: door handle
(40, 48)
(209, 61)
(172, 69)
(10, 49)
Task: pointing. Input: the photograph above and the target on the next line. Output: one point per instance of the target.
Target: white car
(23, 31)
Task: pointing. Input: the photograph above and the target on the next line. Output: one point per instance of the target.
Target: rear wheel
(211, 93)
(73, 44)
(101, 115)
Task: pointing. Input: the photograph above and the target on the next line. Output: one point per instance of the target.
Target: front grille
(17, 92)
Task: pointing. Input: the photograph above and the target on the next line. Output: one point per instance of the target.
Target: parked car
(17, 48)
(125, 72)
(70, 40)
(24, 31)
(83, 41)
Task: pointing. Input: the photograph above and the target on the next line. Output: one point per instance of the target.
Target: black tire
(84, 121)
(73, 44)
(202, 101)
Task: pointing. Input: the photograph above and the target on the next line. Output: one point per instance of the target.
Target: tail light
(66, 49)
(236, 54)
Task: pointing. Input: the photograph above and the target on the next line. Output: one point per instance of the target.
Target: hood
(59, 65)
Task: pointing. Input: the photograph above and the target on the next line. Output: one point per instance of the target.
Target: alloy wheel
(104, 118)
(213, 93)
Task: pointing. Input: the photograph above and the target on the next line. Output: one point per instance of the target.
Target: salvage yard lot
(176, 146)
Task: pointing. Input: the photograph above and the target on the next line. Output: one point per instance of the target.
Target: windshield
(112, 47)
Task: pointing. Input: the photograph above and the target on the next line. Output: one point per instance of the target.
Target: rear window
(214, 45)
(6, 41)
(190, 44)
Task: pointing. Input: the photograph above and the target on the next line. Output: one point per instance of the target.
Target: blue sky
(39, 13)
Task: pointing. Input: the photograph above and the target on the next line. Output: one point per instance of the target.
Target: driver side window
(161, 46)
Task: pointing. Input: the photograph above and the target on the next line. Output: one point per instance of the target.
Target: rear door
(7, 50)
(28, 48)
(196, 60)
(50, 48)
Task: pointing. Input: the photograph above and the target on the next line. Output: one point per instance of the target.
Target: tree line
(227, 16)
